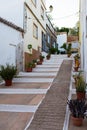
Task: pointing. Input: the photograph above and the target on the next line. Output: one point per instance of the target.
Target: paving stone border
(50, 114)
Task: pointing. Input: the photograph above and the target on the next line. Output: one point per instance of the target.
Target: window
(48, 39)
(34, 2)
(42, 12)
(35, 31)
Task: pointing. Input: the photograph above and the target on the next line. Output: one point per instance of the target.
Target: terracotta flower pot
(29, 70)
(8, 82)
(76, 68)
(48, 57)
(77, 63)
(80, 95)
(39, 63)
(77, 121)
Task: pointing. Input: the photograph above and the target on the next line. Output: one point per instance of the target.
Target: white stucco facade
(83, 34)
(61, 39)
(34, 17)
(9, 39)
(11, 19)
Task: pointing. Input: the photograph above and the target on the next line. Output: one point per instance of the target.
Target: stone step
(32, 80)
(23, 91)
(48, 66)
(17, 108)
(36, 74)
(45, 69)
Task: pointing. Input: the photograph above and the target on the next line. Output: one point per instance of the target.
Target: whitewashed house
(30, 16)
(11, 33)
(83, 34)
(61, 39)
(35, 27)
(11, 41)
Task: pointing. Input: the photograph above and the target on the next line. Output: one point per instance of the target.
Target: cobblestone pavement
(51, 113)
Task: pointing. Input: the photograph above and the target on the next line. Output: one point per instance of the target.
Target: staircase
(28, 90)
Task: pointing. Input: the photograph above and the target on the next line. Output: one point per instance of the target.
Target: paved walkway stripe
(17, 108)
(47, 66)
(45, 69)
(67, 115)
(51, 112)
(36, 74)
(23, 91)
(32, 80)
(51, 63)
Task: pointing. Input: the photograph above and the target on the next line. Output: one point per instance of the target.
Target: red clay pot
(39, 63)
(29, 69)
(77, 121)
(8, 82)
(80, 95)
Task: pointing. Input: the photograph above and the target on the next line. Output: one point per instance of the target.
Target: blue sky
(65, 12)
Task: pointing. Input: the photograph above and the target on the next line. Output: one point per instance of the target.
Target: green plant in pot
(7, 73)
(34, 63)
(77, 75)
(78, 110)
(48, 56)
(77, 61)
(80, 87)
(29, 67)
(67, 47)
(41, 57)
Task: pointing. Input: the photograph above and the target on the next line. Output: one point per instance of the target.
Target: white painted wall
(8, 36)
(61, 39)
(75, 45)
(83, 35)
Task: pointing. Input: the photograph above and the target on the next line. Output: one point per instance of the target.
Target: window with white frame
(34, 2)
(42, 12)
(35, 31)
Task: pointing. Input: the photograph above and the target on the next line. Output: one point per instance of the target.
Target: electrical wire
(77, 13)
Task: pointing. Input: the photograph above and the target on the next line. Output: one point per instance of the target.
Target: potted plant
(80, 87)
(67, 47)
(29, 67)
(77, 58)
(77, 75)
(7, 73)
(77, 62)
(39, 62)
(41, 57)
(34, 62)
(78, 110)
(48, 56)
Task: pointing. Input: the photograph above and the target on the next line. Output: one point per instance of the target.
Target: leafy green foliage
(77, 56)
(29, 46)
(7, 72)
(67, 47)
(30, 65)
(77, 107)
(80, 84)
(63, 29)
(53, 50)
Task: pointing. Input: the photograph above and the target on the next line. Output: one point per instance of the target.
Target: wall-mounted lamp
(50, 9)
